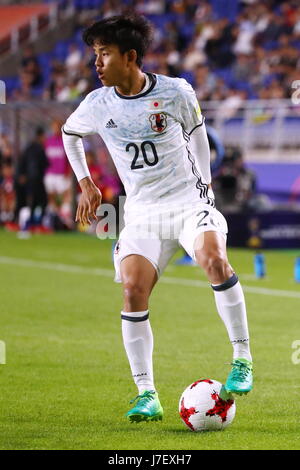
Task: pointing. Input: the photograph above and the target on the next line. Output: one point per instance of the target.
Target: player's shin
(138, 342)
(230, 302)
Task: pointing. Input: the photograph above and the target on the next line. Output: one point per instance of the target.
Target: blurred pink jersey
(56, 155)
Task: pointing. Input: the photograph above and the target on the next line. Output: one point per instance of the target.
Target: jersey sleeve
(81, 122)
(188, 110)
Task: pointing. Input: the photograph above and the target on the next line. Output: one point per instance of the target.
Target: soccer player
(154, 130)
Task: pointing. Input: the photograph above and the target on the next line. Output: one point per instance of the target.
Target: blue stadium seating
(221, 8)
(87, 4)
(225, 8)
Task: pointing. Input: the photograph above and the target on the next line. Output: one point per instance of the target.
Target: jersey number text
(145, 147)
(200, 223)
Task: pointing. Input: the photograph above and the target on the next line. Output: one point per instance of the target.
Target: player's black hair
(130, 31)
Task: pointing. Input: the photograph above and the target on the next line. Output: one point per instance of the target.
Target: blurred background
(241, 57)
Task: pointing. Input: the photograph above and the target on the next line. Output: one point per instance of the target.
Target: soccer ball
(202, 409)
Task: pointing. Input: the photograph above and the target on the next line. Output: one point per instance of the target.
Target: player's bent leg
(211, 255)
(139, 277)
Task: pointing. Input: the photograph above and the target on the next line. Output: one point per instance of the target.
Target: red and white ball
(202, 409)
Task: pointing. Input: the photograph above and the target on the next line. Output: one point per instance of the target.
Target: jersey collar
(153, 81)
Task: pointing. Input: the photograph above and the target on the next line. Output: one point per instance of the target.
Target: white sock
(231, 306)
(138, 342)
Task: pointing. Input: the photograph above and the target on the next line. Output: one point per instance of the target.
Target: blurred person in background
(31, 172)
(218, 47)
(235, 185)
(30, 64)
(57, 82)
(6, 149)
(192, 58)
(110, 8)
(21, 196)
(73, 60)
(71, 80)
(7, 193)
(205, 82)
(30, 77)
(232, 103)
(151, 7)
(70, 91)
(57, 178)
(24, 91)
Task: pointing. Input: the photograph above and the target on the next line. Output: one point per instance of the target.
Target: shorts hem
(208, 229)
(117, 277)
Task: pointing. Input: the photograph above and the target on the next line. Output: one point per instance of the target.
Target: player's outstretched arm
(199, 147)
(90, 200)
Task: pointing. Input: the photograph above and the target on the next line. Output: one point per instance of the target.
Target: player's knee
(217, 267)
(134, 291)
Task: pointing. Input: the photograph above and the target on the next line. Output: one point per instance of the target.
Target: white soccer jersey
(147, 136)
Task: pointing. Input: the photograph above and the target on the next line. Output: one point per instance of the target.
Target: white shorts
(156, 235)
(56, 183)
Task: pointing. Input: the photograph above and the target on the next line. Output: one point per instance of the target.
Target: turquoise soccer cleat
(147, 408)
(240, 379)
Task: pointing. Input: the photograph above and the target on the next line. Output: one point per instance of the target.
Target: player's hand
(90, 200)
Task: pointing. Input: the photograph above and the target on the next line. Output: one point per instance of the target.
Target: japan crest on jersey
(158, 121)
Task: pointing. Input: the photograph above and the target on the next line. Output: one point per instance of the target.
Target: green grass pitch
(67, 384)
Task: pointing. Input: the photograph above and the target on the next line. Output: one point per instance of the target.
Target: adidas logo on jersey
(110, 124)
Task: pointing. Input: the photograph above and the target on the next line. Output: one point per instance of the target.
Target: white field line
(68, 268)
